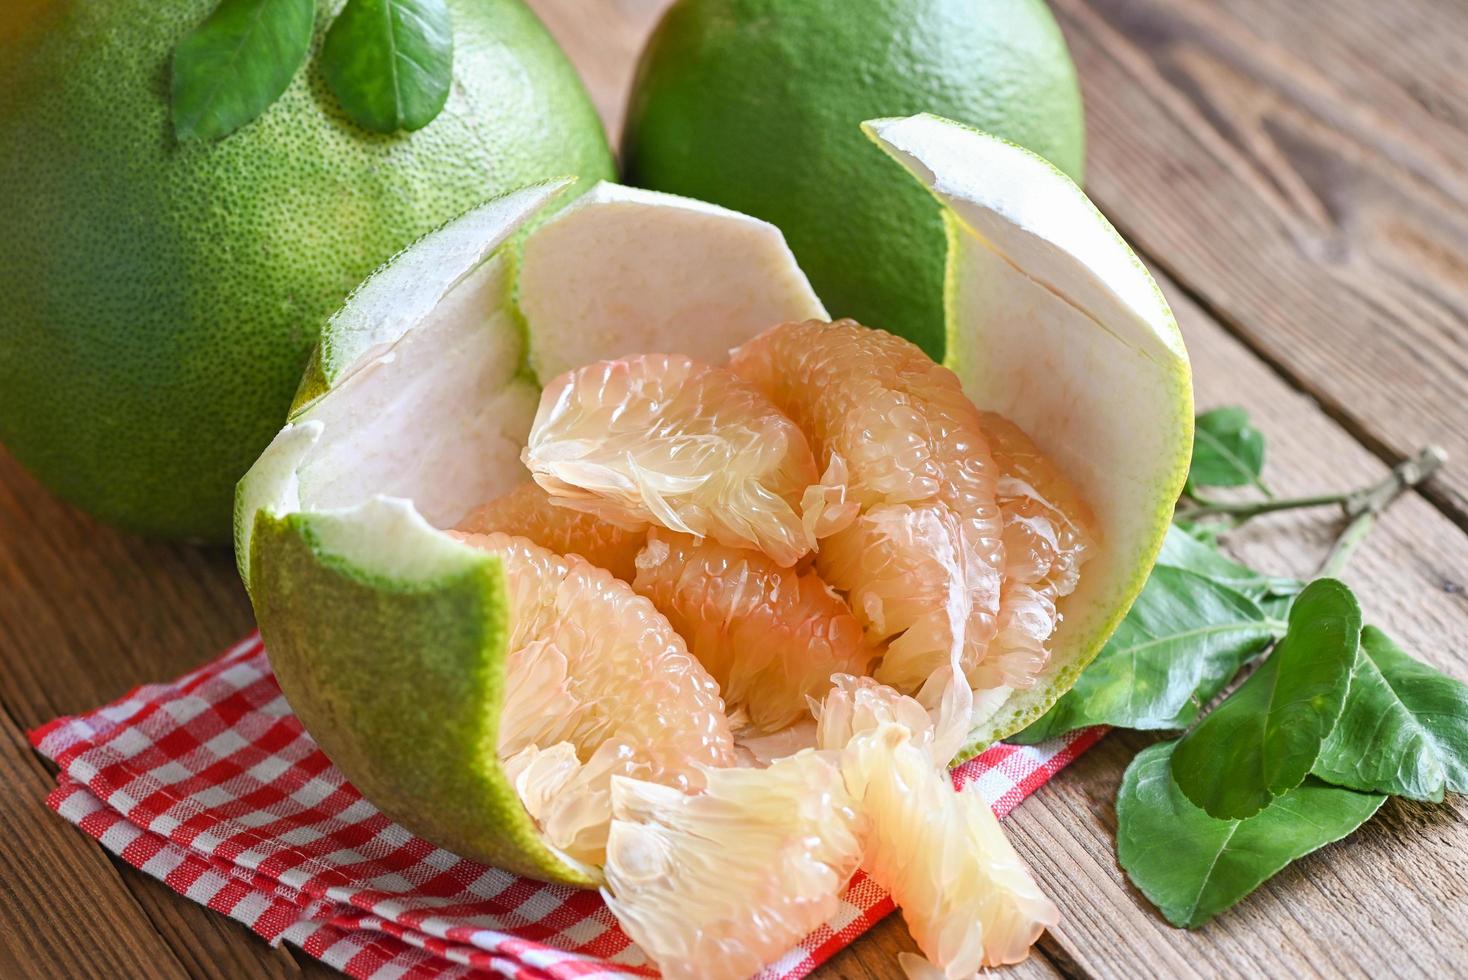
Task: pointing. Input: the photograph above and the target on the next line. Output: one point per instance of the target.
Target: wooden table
(1297, 175)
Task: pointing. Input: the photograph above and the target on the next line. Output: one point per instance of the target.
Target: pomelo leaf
(1181, 643)
(390, 62)
(1404, 730)
(231, 67)
(1265, 737)
(1192, 866)
(1180, 549)
(1227, 450)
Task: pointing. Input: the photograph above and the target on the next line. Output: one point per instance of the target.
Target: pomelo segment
(592, 664)
(967, 897)
(527, 512)
(665, 439)
(771, 636)
(1055, 324)
(1047, 539)
(721, 883)
(921, 565)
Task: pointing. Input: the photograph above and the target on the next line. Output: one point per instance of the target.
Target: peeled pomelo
(392, 638)
(158, 298)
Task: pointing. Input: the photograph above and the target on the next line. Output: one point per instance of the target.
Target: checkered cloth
(210, 784)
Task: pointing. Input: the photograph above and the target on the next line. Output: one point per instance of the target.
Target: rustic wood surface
(1297, 174)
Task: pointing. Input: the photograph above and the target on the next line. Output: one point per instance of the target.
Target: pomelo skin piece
(158, 299)
(389, 636)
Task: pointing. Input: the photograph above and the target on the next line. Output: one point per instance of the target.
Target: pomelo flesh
(527, 512)
(921, 564)
(668, 440)
(771, 636)
(372, 612)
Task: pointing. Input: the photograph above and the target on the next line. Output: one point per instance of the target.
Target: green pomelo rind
(1038, 280)
(424, 751)
(158, 300)
(755, 105)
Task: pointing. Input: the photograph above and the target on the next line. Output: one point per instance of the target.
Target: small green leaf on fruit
(1404, 730)
(1193, 867)
(1227, 450)
(1265, 736)
(1182, 642)
(231, 67)
(390, 62)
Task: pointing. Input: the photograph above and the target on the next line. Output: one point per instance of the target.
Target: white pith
(429, 402)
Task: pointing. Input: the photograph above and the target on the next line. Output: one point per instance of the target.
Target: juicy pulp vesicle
(771, 636)
(664, 439)
(527, 512)
(921, 564)
(593, 665)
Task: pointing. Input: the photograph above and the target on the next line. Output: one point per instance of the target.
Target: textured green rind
(158, 301)
(756, 105)
(397, 682)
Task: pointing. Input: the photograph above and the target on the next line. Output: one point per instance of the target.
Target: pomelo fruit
(391, 637)
(755, 104)
(158, 300)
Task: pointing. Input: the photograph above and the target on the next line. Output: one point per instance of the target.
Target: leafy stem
(1365, 505)
(1357, 503)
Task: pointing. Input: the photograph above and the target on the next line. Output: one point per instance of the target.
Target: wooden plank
(1374, 905)
(86, 613)
(63, 910)
(1243, 148)
(874, 957)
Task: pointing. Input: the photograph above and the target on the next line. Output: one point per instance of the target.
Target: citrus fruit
(665, 439)
(527, 512)
(921, 564)
(591, 666)
(771, 636)
(720, 883)
(391, 637)
(159, 299)
(755, 104)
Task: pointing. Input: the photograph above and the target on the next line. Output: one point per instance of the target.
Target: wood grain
(1307, 186)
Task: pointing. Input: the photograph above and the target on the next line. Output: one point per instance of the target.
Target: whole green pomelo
(158, 300)
(757, 105)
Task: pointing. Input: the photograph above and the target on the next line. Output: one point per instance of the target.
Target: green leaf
(1404, 730)
(1192, 866)
(1227, 450)
(1265, 737)
(1183, 641)
(390, 62)
(1183, 550)
(232, 66)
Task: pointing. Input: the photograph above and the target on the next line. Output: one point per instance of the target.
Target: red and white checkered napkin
(210, 784)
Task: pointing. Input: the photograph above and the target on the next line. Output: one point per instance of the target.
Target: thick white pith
(428, 402)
